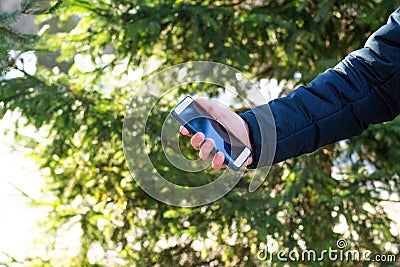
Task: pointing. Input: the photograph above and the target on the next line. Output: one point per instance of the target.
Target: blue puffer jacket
(362, 89)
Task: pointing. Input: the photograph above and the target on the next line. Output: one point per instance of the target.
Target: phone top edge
(183, 105)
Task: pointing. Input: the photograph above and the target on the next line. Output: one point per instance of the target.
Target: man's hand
(230, 120)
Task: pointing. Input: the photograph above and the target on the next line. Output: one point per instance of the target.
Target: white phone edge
(239, 161)
(183, 105)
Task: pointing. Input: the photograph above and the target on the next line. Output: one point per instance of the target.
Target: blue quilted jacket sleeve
(362, 89)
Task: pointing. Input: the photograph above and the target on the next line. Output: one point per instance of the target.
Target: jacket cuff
(254, 136)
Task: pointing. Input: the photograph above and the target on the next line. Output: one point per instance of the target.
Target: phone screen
(194, 118)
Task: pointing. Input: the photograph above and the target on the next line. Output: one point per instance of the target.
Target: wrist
(248, 142)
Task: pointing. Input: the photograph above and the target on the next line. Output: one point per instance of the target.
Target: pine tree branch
(41, 11)
(55, 7)
(232, 4)
(27, 8)
(6, 16)
(67, 89)
(9, 31)
(27, 4)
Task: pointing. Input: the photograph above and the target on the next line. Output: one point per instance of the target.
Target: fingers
(206, 149)
(196, 140)
(218, 161)
(184, 131)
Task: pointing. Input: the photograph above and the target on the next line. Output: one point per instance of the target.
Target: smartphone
(196, 119)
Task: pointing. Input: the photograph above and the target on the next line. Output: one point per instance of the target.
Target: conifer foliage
(96, 53)
(11, 38)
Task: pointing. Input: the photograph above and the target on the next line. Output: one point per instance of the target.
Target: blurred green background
(93, 55)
